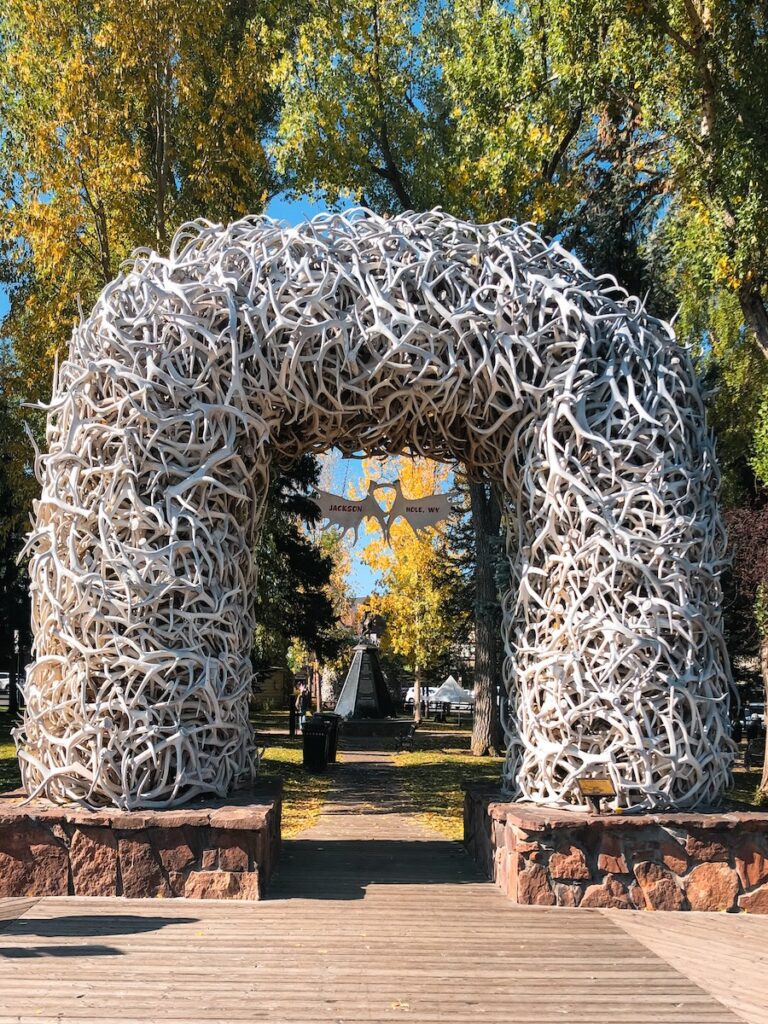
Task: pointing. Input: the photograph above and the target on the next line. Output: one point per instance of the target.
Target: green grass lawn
(435, 772)
(303, 792)
(9, 766)
(432, 775)
(744, 793)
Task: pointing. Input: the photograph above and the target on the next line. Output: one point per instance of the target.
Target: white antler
(419, 333)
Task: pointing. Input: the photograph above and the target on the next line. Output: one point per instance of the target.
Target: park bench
(406, 739)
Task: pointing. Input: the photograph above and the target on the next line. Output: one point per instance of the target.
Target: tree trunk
(13, 695)
(417, 695)
(486, 520)
(755, 314)
(764, 670)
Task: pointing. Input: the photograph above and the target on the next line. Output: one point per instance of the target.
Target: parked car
(754, 707)
(5, 689)
(427, 692)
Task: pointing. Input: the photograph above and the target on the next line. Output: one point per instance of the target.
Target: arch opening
(255, 343)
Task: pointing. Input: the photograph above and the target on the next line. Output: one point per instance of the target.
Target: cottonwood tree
(406, 105)
(749, 536)
(410, 595)
(637, 131)
(120, 122)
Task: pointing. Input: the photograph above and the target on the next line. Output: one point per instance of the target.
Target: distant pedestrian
(755, 751)
(754, 727)
(737, 729)
(302, 705)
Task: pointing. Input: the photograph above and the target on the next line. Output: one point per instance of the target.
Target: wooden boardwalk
(374, 918)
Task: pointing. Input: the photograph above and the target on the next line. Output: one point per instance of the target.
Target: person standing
(302, 705)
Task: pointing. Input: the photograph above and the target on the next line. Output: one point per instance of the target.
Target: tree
(637, 131)
(369, 107)
(486, 519)
(474, 571)
(17, 487)
(120, 122)
(406, 105)
(455, 573)
(293, 599)
(749, 537)
(694, 75)
(411, 597)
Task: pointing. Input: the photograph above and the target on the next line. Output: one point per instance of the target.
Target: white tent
(451, 693)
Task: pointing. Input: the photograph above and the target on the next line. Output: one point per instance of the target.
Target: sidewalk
(374, 918)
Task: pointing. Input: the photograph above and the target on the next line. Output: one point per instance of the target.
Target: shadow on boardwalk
(342, 869)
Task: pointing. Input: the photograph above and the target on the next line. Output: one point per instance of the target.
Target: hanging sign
(348, 513)
(419, 513)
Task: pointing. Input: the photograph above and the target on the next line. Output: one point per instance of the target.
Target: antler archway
(421, 333)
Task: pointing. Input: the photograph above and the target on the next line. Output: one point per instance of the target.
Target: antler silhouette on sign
(348, 513)
(419, 513)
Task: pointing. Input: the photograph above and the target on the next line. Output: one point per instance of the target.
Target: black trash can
(334, 722)
(316, 737)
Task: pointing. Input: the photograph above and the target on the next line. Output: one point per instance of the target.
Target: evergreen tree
(293, 600)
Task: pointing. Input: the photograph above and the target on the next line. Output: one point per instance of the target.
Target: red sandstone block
(515, 863)
(245, 818)
(173, 847)
(498, 834)
(750, 860)
(501, 868)
(180, 817)
(567, 895)
(222, 885)
(755, 902)
(93, 860)
(130, 820)
(706, 847)
(658, 887)
(526, 841)
(712, 886)
(674, 855)
(510, 837)
(611, 857)
(533, 888)
(611, 894)
(568, 861)
(140, 870)
(32, 861)
(636, 897)
(82, 817)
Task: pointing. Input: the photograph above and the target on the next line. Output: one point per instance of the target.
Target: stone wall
(640, 862)
(207, 850)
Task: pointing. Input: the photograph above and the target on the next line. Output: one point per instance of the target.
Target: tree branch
(391, 171)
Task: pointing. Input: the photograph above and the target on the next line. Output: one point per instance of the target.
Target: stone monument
(365, 693)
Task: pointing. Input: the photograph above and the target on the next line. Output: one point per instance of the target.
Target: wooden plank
(13, 907)
(725, 954)
(358, 931)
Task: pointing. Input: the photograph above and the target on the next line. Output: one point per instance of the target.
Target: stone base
(208, 849)
(662, 861)
(387, 728)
